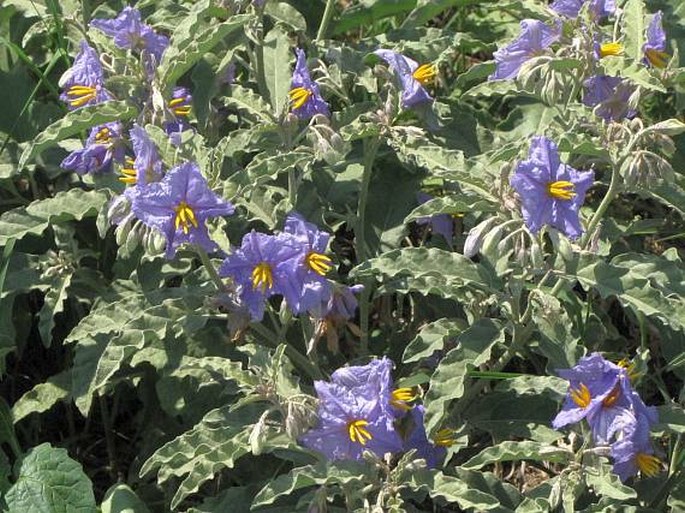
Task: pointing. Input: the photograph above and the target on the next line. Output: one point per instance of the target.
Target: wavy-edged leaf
(367, 12)
(43, 396)
(451, 205)
(607, 484)
(517, 451)
(49, 480)
(120, 498)
(634, 28)
(432, 338)
(277, 54)
(75, 122)
(249, 103)
(452, 489)
(53, 305)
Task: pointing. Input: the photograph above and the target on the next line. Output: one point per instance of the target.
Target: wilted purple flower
(433, 452)
(634, 451)
(611, 94)
(551, 192)
(178, 206)
(534, 39)
(85, 79)
(412, 77)
(655, 46)
(305, 97)
(350, 420)
(261, 268)
(129, 31)
(307, 283)
(442, 224)
(571, 8)
(103, 145)
(147, 166)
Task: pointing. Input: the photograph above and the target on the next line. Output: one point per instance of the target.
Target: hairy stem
(325, 20)
(211, 270)
(614, 187)
(370, 150)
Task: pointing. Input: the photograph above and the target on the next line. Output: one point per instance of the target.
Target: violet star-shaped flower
(433, 452)
(147, 166)
(412, 77)
(178, 206)
(261, 268)
(634, 451)
(104, 145)
(571, 8)
(129, 31)
(84, 80)
(305, 97)
(180, 105)
(551, 192)
(534, 39)
(350, 421)
(655, 47)
(611, 94)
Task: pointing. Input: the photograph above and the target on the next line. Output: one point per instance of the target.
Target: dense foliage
(383, 255)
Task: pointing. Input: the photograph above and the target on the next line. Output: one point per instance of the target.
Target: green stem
(614, 187)
(292, 186)
(325, 20)
(300, 360)
(109, 439)
(211, 270)
(370, 150)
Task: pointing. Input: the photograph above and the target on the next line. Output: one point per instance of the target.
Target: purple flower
(340, 306)
(178, 206)
(350, 421)
(261, 268)
(307, 283)
(551, 192)
(634, 451)
(129, 31)
(571, 8)
(610, 96)
(433, 452)
(412, 77)
(305, 97)
(181, 105)
(103, 145)
(85, 79)
(534, 39)
(442, 224)
(655, 46)
(147, 166)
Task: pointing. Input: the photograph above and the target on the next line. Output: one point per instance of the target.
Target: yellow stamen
(425, 73)
(444, 438)
(562, 189)
(102, 136)
(613, 396)
(262, 277)
(612, 48)
(357, 431)
(581, 396)
(649, 465)
(657, 58)
(630, 367)
(130, 174)
(185, 217)
(318, 262)
(80, 95)
(299, 96)
(401, 396)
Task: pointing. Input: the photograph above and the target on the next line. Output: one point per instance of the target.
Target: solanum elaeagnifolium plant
(342, 256)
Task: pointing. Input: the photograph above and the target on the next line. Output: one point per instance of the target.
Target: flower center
(79, 95)
(612, 48)
(425, 73)
(401, 396)
(581, 396)
(180, 106)
(318, 262)
(613, 396)
(185, 217)
(630, 368)
(130, 174)
(299, 96)
(562, 190)
(656, 58)
(444, 438)
(103, 136)
(356, 430)
(262, 277)
(649, 465)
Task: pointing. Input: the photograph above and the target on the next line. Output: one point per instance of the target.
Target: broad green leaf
(634, 27)
(249, 103)
(426, 10)
(53, 305)
(517, 451)
(286, 13)
(607, 484)
(265, 167)
(451, 205)
(347, 473)
(451, 489)
(671, 419)
(49, 480)
(43, 396)
(277, 55)
(431, 338)
(473, 348)
(75, 122)
(367, 12)
(121, 499)
(670, 127)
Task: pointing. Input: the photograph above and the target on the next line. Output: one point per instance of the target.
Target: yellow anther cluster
(299, 96)
(357, 431)
(425, 73)
(318, 262)
(562, 189)
(80, 95)
(262, 276)
(581, 396)
(185, 217)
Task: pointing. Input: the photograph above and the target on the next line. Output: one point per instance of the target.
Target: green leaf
(671, 419)
(7, 434)
(607, 484)
(448, 382)
(451, 489)
(121, 499)
(670, 127)
(43, 396)
(249, 103)
(53, 305)
(50, 481)
(452, 205)
(634, 28)
(75, 122)
(366, 12)
(347, 473)
(517, 451)
(431, 338)
(277, 54)
(285, 13)
(426, 10)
